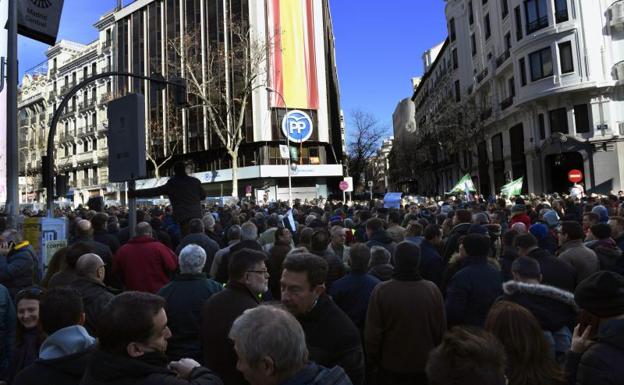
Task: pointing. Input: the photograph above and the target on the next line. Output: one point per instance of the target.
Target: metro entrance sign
(575, 176)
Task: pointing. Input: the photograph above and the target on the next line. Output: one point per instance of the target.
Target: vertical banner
(293, 69)
(4, 40)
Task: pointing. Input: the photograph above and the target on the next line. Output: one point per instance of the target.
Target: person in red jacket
(144, 264)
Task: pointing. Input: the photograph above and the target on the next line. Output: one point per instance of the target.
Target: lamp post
(269, 89)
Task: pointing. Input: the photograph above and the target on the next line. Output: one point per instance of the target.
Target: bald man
(90, 270)
(84, 233)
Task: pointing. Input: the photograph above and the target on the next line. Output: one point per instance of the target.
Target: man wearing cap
(599, 361)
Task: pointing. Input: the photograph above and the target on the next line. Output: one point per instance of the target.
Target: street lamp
(269, 89)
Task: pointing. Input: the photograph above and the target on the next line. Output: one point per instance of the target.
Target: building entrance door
(557, 168)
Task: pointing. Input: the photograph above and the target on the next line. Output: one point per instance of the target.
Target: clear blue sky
(379, 45)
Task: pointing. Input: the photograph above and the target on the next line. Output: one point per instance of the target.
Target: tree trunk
(234, 156)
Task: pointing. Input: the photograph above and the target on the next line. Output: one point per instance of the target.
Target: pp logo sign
(297, 126)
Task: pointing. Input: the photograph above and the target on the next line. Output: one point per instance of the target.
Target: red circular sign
(575, 176)
(343, 185)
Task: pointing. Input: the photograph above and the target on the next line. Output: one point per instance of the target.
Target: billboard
(293, 67)
(4, 39)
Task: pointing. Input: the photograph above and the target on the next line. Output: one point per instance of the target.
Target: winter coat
(555, 272)
(19, 268)
(223, 274)
(336, 269)
(107, 239)
(95, 296)
(609, 255)
(144, 264)
(314, 374)
(549, 243)
(603, 362)
(217, 316)
(27, 352)
(351, 293)
(431, 263)
(274, 265)
(381, 238)
(506, 260)
(554, 308)
(202, 240)
(471, 292)
(8, 320)
(405, 321)
(382, 272)
(185, 295)
(63, 358)
(107, 257)
(333, 339)
(583, 259)
(452, 242)
(150, 369)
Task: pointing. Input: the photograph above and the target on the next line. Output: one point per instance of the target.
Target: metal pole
(132, 217)
(12, 172)
(288, 145)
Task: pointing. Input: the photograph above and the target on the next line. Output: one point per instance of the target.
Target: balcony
(102, 153)
(105, 98)
(537, 24)
(502, 58)
(107, 43)
(617, 15)
(482, 75)
(506, 103)
(68, 111)
(88, 182)
(67, 87)
(85, 105)
(85, 157)
(53, 72)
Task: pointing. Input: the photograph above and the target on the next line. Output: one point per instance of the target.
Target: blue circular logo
(297, 126)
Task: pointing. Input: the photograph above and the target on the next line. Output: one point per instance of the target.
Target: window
(457, 91)
(536, 15)
(473, 44)
(470, 13)
(508, 41)
(581, 118)
(523, 77)
(488, 29)
(452, 29)
(85, 73)
(541, 124)
(505, 8)
(541, 64)
(93, 68)
(558, 120)
(511, 83)
(565, 57)
(518, 16)
(455, 59)
(561, 11)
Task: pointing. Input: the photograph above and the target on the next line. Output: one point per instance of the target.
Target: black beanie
(601, 294)
(407, 259)
(476, 245)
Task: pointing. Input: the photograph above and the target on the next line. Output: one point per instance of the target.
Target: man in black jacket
(331, 337)
(90, 270)
(249, 240)
(66, 351)
(84, 233)
(461, 224)
(132, 343)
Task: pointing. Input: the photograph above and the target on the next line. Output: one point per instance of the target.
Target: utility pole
(12, 157)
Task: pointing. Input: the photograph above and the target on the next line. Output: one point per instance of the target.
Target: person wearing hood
(554, 309)
(574, 252)
(599, 360)
(405, 321)
(602, 212)
(377, 236)
(545, 240)
(379, 265)
(472, 290)
(609, 254)
(461, 224)
(64, 354)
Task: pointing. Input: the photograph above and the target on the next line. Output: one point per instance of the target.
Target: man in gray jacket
(573, 251)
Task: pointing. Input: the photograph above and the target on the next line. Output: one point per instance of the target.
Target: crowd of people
(520, 291)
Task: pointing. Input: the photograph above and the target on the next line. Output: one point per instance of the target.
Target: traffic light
(179, 92)
(62, 185)
(158, 81)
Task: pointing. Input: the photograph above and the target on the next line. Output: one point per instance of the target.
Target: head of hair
(59, 308)
(75, 251)
(359, 257)
(234, 232)
(272, 220)
(196, 225)
(525, 346)
(314, 266)
(99, 221)
(526, 267)
(280, 231)
(32, 293)
(525, 241)
(88, 264)
(179, 168)
(476, 244)
(319, 241)
(601, 231)
(249, 232)
(192, 259)
(463, 216)
(379, 256)
(143, 229)
(509, 236)
(572, 229)
(414, 229)
(243, 260)
(467, 356)
(594, 217)
(394, 217)
(305, 236)
(432, 231)
(128, 317)
(618, 220)
(84, 228)
(209, 221)
(269, 330)
(374, 225)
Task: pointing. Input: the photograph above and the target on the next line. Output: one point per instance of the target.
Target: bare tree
(163, 142)
(364, 142)
(224, 102)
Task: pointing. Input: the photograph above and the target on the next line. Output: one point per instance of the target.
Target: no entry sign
(575, 176)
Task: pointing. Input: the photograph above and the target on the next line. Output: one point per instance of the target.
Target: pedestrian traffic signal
(62, 185)
(179, 92)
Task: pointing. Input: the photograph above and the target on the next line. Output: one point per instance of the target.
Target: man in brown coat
(405, 321)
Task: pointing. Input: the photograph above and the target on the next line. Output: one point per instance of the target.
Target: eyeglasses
(258, 271)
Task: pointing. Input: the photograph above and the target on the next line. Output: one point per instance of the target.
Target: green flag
(513, 188)
(464, 185)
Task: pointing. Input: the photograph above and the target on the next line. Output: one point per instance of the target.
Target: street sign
(39, 19)
(575, 176)
(343, 185)
(297, 126)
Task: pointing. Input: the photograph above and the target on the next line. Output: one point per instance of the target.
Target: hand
(184, 367)
(581, 342)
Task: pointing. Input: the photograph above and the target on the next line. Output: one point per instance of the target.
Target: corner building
(302, 70)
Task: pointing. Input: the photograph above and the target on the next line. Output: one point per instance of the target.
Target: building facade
(539, 87)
